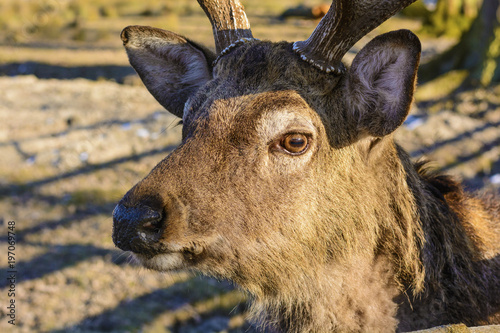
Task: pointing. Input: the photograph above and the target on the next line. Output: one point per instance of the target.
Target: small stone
(495, 179)
(142, 133)
(84, 156)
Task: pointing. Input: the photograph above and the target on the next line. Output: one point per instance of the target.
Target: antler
(229, 22)
(344, 24)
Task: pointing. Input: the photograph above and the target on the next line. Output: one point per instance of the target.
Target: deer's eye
(295, 144)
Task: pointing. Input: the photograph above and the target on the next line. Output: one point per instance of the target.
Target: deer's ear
(171, 67)
(381, 82)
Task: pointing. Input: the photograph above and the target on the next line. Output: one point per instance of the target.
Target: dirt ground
(71, 147)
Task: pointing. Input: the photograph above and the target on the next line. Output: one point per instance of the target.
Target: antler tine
(229, 22)
(344, 24)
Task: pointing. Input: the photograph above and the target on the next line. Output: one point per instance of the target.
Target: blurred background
(78, 129)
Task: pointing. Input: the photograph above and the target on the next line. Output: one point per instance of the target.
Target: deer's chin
(162, 262)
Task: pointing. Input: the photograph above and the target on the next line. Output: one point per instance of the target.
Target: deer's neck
(342, 298)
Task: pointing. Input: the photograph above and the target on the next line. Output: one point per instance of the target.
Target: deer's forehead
(264, 113)
(281, 111)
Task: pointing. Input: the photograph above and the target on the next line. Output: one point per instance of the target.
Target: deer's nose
(137, 229)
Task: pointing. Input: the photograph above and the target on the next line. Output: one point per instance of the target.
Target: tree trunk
(452, 17)
(478, 50)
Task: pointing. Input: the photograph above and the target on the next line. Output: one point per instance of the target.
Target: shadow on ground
(45, 71)
(196, 305)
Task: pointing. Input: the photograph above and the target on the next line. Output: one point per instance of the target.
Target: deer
(289, 183)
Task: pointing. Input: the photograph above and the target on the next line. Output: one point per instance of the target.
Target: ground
(72, 146)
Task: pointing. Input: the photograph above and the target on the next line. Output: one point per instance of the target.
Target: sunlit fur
(348, 236)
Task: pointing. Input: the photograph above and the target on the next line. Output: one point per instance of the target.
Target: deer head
(286, 162)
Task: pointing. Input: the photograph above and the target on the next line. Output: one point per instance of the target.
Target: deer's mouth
(171, 258)
(162, 262)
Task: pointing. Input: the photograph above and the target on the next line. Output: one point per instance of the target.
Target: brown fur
(348, 236)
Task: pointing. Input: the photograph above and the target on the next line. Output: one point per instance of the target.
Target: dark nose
(137, 229)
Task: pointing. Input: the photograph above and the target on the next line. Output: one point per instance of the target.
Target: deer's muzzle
(137, 229)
